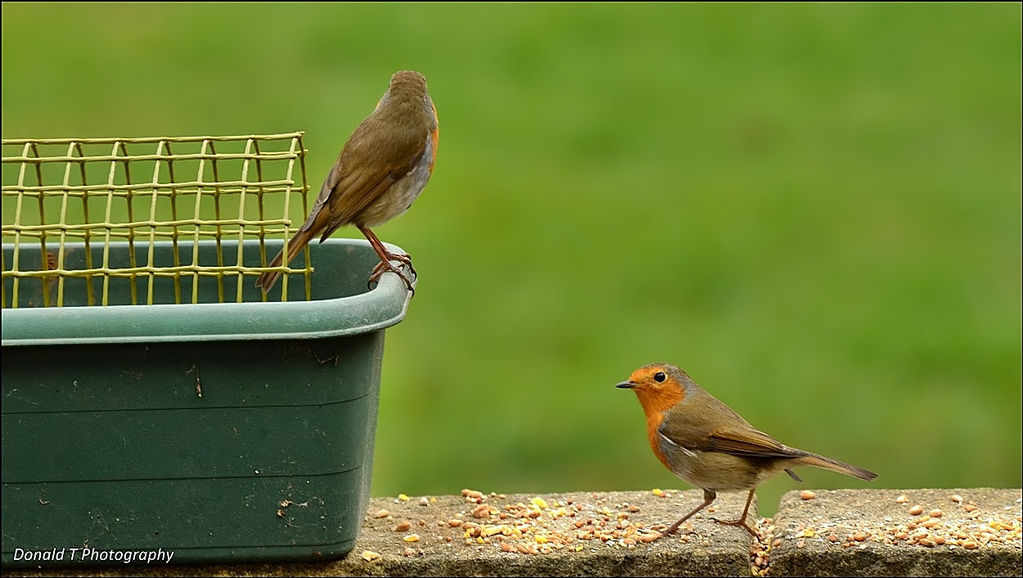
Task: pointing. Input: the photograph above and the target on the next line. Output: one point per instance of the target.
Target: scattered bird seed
(544, 525)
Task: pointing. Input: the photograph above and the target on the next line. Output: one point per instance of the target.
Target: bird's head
(659, 386)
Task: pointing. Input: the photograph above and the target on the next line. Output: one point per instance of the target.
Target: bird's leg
(708, 497)
(385, 259)
(384, 254)
(742, 519)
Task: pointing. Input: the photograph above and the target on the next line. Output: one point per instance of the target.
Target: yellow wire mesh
(97, 210)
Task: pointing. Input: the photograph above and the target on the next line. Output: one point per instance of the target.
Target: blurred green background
(814, 209)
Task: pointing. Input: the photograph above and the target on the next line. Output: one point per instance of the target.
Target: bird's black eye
(659, 376)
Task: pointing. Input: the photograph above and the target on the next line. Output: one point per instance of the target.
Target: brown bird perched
(381, 170)
(704, 442)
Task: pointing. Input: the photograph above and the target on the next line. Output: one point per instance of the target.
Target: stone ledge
(845, 532)
(964, 532)
(608, 540)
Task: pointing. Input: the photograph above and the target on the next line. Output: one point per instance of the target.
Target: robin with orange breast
(704, 442)
(381, 170)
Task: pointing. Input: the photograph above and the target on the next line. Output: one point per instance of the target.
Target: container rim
(383, 306)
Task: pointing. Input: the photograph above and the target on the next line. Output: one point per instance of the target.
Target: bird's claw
(673, 529)
(385, 266)
(739, 522)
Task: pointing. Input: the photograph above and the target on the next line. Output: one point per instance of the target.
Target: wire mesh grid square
(93, 212)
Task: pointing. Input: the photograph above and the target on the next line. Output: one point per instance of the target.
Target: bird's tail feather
(837, 466)
(269, 278)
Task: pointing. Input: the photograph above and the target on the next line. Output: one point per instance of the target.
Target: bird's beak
(626, 385)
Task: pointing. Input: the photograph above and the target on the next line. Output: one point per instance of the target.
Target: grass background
(814, 209)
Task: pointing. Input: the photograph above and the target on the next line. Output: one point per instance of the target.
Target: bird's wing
(328, 185)
(358, 183)
(747, 442)
(703, 431)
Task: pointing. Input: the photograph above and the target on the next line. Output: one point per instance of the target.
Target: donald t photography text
(94, 555)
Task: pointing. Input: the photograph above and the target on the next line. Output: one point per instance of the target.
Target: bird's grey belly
(397, 199)
(403, 192)
(711, 470)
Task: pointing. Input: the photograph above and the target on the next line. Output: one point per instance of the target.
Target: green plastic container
(218, 432)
